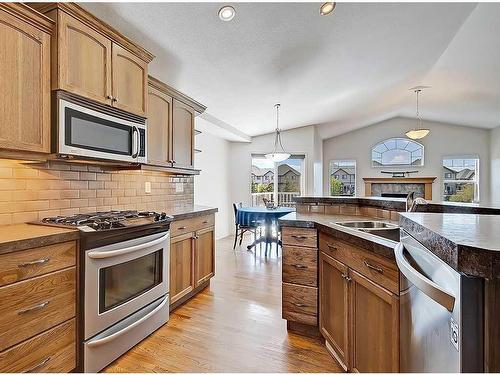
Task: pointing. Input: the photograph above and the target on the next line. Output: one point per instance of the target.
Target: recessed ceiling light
(226, 13)
(327, 8)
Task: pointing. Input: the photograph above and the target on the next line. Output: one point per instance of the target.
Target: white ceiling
(344, 71)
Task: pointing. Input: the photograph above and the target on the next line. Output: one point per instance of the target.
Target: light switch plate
(147, 187)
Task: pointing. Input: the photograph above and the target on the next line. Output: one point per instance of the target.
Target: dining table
(265, 217)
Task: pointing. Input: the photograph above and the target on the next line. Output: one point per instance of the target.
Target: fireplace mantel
(426, 181)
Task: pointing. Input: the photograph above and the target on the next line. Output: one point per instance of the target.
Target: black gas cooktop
(100, 228)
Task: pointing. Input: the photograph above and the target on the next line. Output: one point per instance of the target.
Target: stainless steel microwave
(90, 133)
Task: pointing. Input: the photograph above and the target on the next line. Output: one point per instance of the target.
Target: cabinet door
(374, 326)
(334, 307)
(181, 266)
(130, 81)
(24, 86)
(183, 135)
(159, 127)
(84, 62)
(204, 255)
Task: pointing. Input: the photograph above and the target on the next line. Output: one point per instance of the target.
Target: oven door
(89, 133)
(124, 277)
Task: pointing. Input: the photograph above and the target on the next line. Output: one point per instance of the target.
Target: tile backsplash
(31, 191)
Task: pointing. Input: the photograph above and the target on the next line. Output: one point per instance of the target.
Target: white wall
(211, 187)
(443, 140)
(495, 165)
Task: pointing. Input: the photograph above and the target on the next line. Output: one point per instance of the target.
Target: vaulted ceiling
(344, 71)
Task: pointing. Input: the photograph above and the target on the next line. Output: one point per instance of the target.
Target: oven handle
(96, 254)
(423, 283)
(115, 335)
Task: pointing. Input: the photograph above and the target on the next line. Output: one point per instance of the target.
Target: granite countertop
(188, 212)
(25, 236)
(326, 223)
(468, 243)
(399, 204)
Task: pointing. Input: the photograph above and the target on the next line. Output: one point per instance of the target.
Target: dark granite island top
(468, 243)
(326, 223)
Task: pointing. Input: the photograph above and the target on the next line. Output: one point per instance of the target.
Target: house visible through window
(290, 180)
(343, 177)
(461, 179)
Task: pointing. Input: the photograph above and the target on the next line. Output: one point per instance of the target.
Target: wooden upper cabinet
(130, 81)
(374, 326)
(204, 255)
(334, 307)
(24, 79)
(96, 61)
(84, 66)
(183, 135)
(159, 127)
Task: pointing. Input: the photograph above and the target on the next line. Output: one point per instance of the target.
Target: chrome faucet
(412, 202)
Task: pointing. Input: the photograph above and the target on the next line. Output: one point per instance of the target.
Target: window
(398, 152)
(343, 177)
(290, 180)
(461, 179)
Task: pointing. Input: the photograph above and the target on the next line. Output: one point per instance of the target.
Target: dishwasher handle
(424, 284)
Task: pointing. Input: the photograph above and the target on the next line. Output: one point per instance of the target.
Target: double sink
(378, 228)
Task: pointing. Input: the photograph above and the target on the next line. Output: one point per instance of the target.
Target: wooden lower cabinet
(334, 307)
(181, 266)
(374, 321)
(359, 317)
(204, 255)
(192, 258)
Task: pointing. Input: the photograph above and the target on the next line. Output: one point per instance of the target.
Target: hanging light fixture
(419, 132)
(278, 154)
(327, 8)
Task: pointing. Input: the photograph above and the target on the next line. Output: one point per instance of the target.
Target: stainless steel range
(124, 261)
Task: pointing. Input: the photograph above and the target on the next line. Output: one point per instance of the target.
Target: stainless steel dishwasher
(441, 314)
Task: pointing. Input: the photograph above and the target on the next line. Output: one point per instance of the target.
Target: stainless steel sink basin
(367, 224)
(377, 228)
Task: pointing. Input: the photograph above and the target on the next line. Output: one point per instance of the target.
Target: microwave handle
(135, 142)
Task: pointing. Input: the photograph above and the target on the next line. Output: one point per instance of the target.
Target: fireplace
(399, 187)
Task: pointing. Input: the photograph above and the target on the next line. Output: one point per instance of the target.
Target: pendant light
(418, 132)
(278, 155)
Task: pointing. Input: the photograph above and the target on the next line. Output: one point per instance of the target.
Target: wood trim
(492, 326)
(169, 90)
(92, 21)
(29, 15)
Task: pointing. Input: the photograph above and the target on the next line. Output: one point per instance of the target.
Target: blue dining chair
(240, 230)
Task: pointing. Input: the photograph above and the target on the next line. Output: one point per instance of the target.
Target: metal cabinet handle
(300, 266)
(346, 278)
(33, 308)
(182, 228)
(115, 99)
(332, 247)
(300, 304)
(36, 367)
(34, 262)
(298, 237)
(205, 222)
(109, 97)
(173, 161)
(372, 267)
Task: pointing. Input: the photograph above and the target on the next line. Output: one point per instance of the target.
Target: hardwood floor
(234, 325)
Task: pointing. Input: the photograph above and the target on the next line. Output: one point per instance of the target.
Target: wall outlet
(179, 187)
(147, 187)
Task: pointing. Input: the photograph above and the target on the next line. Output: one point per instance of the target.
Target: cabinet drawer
(300, 304)
(35, 305)
(300, 265)
(25, 264)
(378, 269)
(191, 225)
(300, 236)
(51, 351)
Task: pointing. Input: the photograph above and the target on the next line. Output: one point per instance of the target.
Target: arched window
(398, 152)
